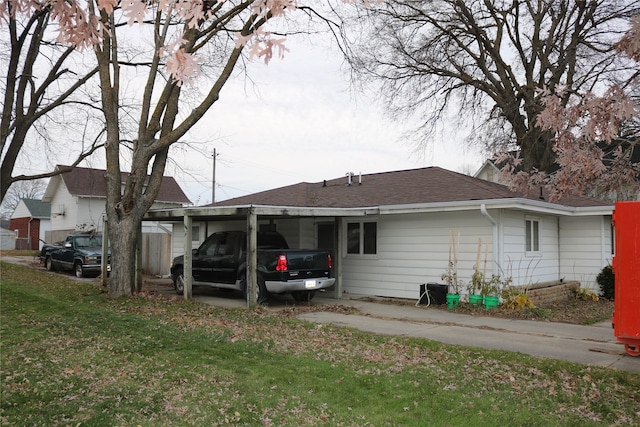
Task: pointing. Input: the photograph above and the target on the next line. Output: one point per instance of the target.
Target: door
(202, 265)
(225, 258)
(326, 236)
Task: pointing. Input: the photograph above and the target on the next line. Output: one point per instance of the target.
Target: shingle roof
(38, 208)
(407, 187)
(87, 182)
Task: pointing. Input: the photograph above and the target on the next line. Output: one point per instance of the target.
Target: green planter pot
(475, 299)
(490, 301)
(453, 300)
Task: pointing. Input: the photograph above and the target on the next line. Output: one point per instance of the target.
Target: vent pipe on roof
(350, 178)
(360, 179)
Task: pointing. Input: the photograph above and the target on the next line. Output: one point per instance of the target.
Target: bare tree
(161, 66)
(19, 190)
(485, 60)
(42, 82)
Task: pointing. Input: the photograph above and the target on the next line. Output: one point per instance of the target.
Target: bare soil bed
(576, 311)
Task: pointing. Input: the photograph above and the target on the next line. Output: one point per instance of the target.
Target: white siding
(585, 245)
(527, 268)
(414, 249)
(21, 211)
(89, 211)
(63, 198)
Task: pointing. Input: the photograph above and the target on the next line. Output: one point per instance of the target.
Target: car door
(203, 259)
(225, 263)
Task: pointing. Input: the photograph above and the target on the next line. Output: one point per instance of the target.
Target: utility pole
(213, 186)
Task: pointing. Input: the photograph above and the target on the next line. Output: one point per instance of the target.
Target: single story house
(392, 231)
(31, 219)
(77, 199)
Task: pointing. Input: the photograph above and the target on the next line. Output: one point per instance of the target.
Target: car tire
(262, 294)
(178, 281)
(303, 296)
(77, 269)
(47, 264)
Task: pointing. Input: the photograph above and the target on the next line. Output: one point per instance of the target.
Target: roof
(38, 208)
(87, 182)
(406, 187)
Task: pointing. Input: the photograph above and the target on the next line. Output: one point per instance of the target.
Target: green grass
(72, 356)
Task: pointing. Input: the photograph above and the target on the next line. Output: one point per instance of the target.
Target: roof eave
(538, 206)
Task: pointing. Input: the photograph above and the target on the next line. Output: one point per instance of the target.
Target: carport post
(188, 258)
(252, 258)
(337, 262)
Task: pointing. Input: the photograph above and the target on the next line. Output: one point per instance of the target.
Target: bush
(606, 280)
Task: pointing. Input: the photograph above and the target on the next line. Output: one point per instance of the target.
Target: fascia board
(519, 204)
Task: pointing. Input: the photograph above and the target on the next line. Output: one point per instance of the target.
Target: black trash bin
(437, 294)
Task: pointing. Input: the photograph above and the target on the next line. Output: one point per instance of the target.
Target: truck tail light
(329, 261)
(282, 263)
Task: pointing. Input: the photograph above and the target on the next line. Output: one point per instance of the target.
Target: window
(532, 235)
(195, 233)
(362, 238)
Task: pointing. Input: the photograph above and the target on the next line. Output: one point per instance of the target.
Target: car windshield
(89, 242)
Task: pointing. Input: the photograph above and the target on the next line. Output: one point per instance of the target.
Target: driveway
(590, 345)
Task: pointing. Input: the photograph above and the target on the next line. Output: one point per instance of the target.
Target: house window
(195, 233)
(362, 238)
(532, 235)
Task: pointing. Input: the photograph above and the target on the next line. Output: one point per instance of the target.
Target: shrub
(606, 280)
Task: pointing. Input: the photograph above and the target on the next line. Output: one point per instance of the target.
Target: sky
(298, 121)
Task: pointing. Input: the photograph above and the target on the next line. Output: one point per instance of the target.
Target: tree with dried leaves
(595, 138)
(160, 65)
(486, 60)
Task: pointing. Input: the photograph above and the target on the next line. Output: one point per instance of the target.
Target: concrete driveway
(590, 345)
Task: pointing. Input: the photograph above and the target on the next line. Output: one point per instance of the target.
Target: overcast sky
(300, 122)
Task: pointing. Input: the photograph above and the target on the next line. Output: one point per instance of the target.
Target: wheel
(262, 295)
(632, 350)
(178, 281)
(47, 264)
(77, 268)
(303, 296)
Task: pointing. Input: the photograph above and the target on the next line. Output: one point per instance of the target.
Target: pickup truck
(81, 253)
(220, 262)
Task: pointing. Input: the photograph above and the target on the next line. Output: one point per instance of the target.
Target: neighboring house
(489, 172)
(31, 219)
(78, 198)
(7, 236)
(391, 231)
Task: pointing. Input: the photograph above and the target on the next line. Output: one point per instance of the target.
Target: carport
(250, 214)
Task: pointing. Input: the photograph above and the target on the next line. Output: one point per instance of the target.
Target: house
(31, 219)
(7, 236)
(77, 199)
(391, 231)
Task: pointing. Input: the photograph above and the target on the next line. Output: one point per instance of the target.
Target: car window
(209, 246)
(225, 246)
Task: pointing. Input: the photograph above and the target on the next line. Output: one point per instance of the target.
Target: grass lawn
(72, 356)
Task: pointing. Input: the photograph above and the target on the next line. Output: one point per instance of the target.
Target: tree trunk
(122, 235)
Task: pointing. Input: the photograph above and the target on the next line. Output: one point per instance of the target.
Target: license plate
(309, 284)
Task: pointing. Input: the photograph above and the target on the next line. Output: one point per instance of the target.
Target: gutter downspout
(497, 262)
